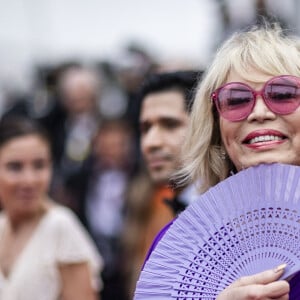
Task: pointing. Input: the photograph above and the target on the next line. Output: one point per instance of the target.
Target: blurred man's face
(112, 147)
(79, 91)
(163, 123)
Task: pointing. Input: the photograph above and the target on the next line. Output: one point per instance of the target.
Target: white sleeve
(75, 245)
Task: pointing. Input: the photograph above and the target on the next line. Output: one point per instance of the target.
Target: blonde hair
(267, 49)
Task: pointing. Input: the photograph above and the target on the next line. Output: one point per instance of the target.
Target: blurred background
(76, 66)
(37, 35)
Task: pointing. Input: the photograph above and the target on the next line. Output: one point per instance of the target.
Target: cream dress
(59, 238)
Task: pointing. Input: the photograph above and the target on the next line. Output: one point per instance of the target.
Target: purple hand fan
(246, 224)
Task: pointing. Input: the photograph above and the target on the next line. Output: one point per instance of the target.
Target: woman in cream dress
(45, 254)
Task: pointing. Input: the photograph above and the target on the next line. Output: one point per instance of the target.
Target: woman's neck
(19, 221)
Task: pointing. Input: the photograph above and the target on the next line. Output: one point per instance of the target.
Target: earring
(223, 153)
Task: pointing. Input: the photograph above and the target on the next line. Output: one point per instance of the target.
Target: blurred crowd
(92, 115)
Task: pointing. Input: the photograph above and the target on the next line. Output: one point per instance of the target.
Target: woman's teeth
(265, 138)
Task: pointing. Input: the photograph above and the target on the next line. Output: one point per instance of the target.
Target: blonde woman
(246, 112)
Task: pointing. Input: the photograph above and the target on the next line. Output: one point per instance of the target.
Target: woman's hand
(261, 286)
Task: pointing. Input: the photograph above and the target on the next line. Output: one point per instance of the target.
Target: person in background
(246, 112)
(45, 253)
(166, 100)
(78, 94)
(100, 189)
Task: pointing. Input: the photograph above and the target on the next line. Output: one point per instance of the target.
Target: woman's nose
(260, 111)
(29, 176)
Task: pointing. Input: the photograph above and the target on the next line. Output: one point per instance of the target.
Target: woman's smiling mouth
(265, 138)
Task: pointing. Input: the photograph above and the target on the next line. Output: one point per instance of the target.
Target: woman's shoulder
(74, 242)
(60, 211)
(63, 223)
(59, 216)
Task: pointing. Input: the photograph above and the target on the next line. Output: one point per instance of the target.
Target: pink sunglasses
(236, 100)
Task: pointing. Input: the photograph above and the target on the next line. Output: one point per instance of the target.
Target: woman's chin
(246, 163)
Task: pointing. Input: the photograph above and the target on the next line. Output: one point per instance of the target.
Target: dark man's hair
(184, 82)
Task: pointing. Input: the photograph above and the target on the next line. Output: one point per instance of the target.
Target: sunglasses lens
(235, 101)
(282, 94)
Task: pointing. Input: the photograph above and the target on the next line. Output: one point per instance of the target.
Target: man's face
(163, 123)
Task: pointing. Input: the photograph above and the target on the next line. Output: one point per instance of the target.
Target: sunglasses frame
(215, 94)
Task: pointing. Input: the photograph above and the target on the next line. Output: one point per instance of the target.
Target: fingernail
(280, 268)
